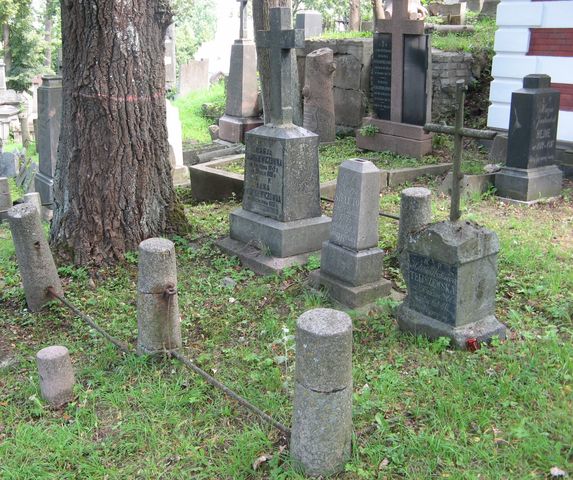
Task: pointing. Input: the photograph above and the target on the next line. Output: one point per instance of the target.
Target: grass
(502, 412)
(194, 125)
(331, 156)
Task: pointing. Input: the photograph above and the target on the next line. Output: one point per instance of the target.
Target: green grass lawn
(503, 412)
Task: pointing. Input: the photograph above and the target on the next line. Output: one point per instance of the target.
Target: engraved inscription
(543, 139)
(381, 75)
(263, 186)
(432, 288)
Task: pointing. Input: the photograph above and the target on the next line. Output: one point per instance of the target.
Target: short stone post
(5, 198)
(322, 417)
(37, 267)
(158, 323)
(56, 375)
(35, 199)
(415, 212)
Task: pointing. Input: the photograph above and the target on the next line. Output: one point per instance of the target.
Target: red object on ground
(472, 344)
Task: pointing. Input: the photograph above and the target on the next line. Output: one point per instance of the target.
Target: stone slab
(210, 183)
(353, 267)
(261, 264)
(350, 296)
(233, 129)
(469, 184)
(279, 239)
(528, 185)
(405, 130)
(400, 145)
(419, 324)
(403, 175)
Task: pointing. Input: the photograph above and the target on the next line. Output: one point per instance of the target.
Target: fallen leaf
(262, 459)
(383, 464)
(557, 473)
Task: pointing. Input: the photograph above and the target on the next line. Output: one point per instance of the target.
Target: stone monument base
(529, 185)
(279, 239)
(348, 295)
(181, 176)
(419, 324)
(400, 138)
(253, 258)
(232, 129)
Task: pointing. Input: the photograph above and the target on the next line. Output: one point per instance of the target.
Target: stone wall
(352, 77)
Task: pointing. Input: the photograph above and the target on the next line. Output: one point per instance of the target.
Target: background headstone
(8, 164)
(5, 198)
(318, 95)
(179, 170)
(194, 75)
(530, 172)
(170, 59)
(48, 135)
(310, 22)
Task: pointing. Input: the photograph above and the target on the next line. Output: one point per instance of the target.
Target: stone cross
(280, 40)
(243, 11)
(398, 26)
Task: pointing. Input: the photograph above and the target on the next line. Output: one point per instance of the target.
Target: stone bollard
(56, 375)
(322, 414)
(158, 322)
(5, 198)
(37, 267)
(35, 199)
(415, 212)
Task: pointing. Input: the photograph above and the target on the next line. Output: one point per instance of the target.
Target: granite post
(318, 96)
(280, 223)
(322, 411)
(37, 267)
(242, 112)
(400, 86)
(415, 212)
(48, 135)
(351, 262)
(56, 375)
(530, 172)
(158, 322)
(5, 198)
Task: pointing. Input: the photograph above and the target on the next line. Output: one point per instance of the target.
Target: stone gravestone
(48, 135)
(8, 164)
(242, 112)
(318, 95)
(194, 75)
(281, 211)
(179, 171)
(170, 60)
(5, 198)
(530, 172)
(310, 22)
(27, 175)
(400, 86)
(351, 264)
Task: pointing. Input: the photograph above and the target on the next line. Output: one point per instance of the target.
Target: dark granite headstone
(530, 172)
(381, 75)
(414, 96)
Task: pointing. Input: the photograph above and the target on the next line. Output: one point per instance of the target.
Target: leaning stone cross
(398, 26)
(243, 27)
(280, 40)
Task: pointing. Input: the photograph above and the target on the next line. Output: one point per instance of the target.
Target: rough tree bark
(354, 16)
(113, 185)
(377, 10)
(261, 22)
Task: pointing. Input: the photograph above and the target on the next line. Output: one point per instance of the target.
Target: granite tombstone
(281, 211)
(530, 172)
(400, 86)
(242, 112)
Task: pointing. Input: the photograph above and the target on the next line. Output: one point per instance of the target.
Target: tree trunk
(261, 22)
(6, 46)
(113, 185)
(354, 17)
(48, 35)
(377, 11)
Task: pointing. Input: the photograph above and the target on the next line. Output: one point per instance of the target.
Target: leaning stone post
(415, 212)
(322, 417)
(56, 375)
(158, 322)
(37, 267)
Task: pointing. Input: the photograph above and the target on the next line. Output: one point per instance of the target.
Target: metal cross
(399, 25)
(280, 40)
(243, 12)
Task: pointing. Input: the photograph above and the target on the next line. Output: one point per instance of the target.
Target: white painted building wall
(511, 62)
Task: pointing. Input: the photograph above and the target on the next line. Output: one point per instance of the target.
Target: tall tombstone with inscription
(281, 213)
(530, 173)
(400, 86)
(48, 135)
(242, 112)
(351, 264)
(170, 60)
